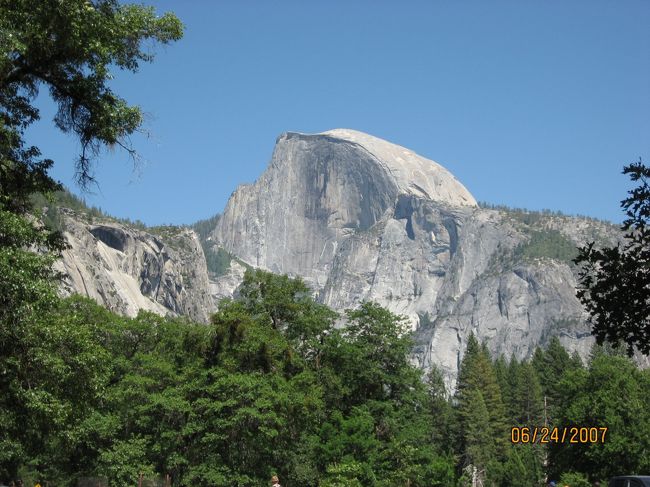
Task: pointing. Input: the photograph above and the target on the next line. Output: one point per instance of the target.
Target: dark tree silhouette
(614, 282)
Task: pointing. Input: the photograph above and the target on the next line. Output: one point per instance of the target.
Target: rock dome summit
(412, 173)
(318, 190)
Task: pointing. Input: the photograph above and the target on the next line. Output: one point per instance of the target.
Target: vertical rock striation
(126, 269)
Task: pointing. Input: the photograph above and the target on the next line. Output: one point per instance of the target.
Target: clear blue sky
(534, 104)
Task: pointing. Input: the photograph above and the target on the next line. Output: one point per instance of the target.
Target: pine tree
(514, 385)
(538, 364)
(613, 392)
(480, 447)
(501, 373)
(443, 427)
(551, 366)
(477, 379)
(528, 397)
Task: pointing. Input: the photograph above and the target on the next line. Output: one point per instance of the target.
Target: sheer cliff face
(320, 190)
(359, 218)
(127, 270)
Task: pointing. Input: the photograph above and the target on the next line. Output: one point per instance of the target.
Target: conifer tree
(477, 379)
(480, 447)
(613, 393)
(550, 366)
(514, 385)
(444, 427)
(528, 397)
(501, 373)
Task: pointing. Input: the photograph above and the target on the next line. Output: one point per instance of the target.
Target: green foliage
(349, 438)
(531, 217)
(380, 342)
(574, 479)
(550, 244)
(125, 461)
(523, 467)
(542, 243)
(444, 427)
(65, 199)
(611, 393)
(551, 365)
(71, 48)
(204, 227)
(519, 211)
(49, 206)
(273, 387)
(481, 410)
(343, 475)
(614, 282)
(528, 397)
(50, 377)
(502, 373)
(480, 447)
(217, 261)
(287, 304)
(27, 295)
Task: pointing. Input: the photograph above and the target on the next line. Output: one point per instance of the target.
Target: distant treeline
(204, 227)
(217, 259)
(531, 217)
(65, 199)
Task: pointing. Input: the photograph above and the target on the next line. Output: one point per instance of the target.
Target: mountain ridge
(355, 228)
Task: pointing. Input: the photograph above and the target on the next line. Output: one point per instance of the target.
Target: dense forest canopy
(272, 386)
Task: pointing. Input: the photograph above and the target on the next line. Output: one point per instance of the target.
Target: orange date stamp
(567, 434)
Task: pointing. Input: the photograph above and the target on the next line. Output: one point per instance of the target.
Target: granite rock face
(320, 190)
(126, 269)
(360, 218)
(226, 285)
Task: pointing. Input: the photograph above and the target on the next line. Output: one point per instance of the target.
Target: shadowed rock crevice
(111, 236)
(134, 269)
